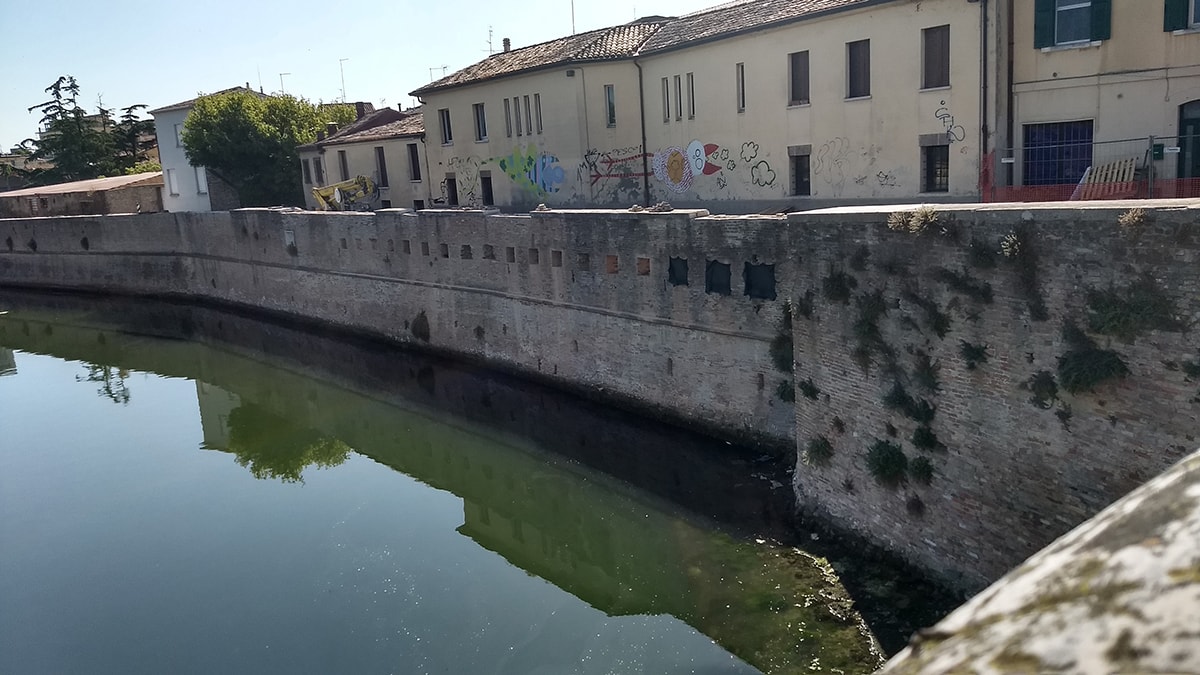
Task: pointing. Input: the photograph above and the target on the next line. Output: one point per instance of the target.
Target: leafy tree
(273, 447)
(133, 138)
(249, 141)
(81, 147)
(144, 166)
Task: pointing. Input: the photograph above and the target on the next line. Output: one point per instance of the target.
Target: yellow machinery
(357, 194)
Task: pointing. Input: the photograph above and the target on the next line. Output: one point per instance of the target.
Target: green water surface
(179, 506)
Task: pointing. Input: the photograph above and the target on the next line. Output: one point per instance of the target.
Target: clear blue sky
(158, 53)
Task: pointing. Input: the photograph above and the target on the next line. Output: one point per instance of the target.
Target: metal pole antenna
(343, 72)
(572, 17)
(281, 89)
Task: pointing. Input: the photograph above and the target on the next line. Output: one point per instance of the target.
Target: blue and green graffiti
(533, 169)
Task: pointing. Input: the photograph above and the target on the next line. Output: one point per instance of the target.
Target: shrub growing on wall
(887, 463)
(1085, 365)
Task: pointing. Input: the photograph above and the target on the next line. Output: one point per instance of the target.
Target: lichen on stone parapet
(1120, 593)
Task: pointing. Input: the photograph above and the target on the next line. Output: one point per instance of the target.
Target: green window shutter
(1043, 23)
(1175, 15)
(1101, 19)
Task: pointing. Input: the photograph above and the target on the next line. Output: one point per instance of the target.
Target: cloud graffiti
(762, 174)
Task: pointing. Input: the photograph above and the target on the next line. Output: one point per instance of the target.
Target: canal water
(188, 490)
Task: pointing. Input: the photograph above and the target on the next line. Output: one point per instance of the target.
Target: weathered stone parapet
(1118, 594)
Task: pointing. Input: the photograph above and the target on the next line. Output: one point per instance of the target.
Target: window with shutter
(1178, 14)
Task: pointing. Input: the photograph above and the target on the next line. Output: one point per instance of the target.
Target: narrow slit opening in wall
(406, 246)
(444, 250)
(610, 264)
(643, 267)
(510, 254)
(555, 258)
(489, 252)
(759, 281)
(716, 278)
(534, 258)
(344, 243)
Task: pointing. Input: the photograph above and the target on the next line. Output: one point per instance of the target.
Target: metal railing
(1139, 168)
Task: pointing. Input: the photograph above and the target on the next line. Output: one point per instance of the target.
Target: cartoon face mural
(676, 167)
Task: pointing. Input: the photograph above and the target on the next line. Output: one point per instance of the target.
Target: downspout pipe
(645, 150)
(984, 112)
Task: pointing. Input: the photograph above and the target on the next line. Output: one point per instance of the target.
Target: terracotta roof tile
(597, 45)
(645, 36)
(738, 17)
(380, 125)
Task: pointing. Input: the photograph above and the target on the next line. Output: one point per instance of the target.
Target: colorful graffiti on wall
(677, 167)
(533, 170)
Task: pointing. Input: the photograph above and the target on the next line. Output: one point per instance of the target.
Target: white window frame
(1078, 4)
(179, 135)
(201, 180)
(740, 92)
(446, 128)
(666, 100)
(1194, 13)
(480, 115)
(678, 98)
(691, 92)
(610, 105)
(172, 183)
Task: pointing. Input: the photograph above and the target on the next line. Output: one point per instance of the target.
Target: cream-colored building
(770, 104)
(526, 126)
(1093, 81)
(387, 146)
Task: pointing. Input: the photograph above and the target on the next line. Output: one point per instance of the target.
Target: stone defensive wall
(961, 386)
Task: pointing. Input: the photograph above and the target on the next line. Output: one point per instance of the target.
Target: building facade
(387, 146)
(1093, 81)
(187, 187)
(771, 105)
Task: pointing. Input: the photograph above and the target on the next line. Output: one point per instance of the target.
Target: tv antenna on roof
(490, 50)
(572, 17)
(435, 68)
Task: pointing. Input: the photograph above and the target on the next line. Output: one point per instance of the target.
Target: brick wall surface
(1012, 475)
(585, 299)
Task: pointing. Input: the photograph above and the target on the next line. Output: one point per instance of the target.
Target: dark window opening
(418, 204)
(717, 278)
(534, 258)
(307, 168)
(465, 252)
(444, 250)
(935, 168)
(801, 176)
(489, 252)
(643, 267)
(1056, 153)
(381, 166)
(760, 281)
(936, 48)
(858, 69)
(451, 191)
(343, 165)
(510, 254)
(677, 271)
(385, 203)
(584, 262)
(798, 70)
(485, 186)
(414, 162)
(555, 258)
